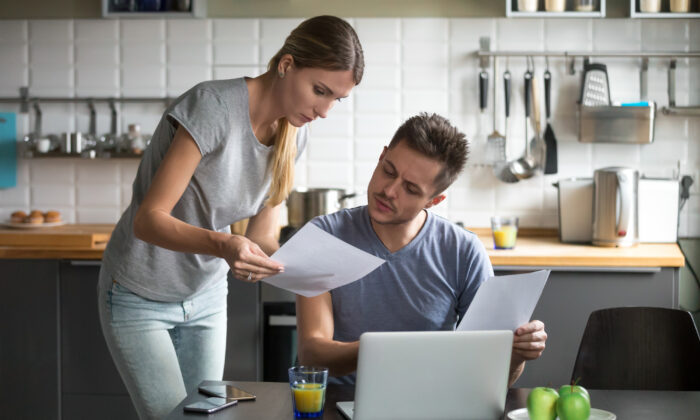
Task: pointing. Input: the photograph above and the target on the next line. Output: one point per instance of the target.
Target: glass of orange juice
(308, 391)
(505, 231)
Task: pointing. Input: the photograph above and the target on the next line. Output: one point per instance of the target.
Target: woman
(223, 151)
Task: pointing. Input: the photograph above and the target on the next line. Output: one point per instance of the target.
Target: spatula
(550, 163)
(495, 142)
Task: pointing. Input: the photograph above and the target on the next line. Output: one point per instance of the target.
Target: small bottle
(584, 5)
(136, 142)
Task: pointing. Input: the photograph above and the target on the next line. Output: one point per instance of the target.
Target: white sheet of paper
(504, 302)
(316, 261)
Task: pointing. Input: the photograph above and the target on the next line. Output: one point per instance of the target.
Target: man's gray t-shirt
(230, 183)
(425, 286)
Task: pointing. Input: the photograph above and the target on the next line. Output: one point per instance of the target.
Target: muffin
(18, 217)
(52, 216)
(35, 217)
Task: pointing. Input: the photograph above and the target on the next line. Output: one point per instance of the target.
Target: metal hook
(546, 62)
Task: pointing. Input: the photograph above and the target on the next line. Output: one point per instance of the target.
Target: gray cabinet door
(29, 359)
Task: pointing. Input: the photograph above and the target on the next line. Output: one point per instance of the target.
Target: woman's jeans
(163, 350)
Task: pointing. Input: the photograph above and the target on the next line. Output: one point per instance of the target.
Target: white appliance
(657, 210)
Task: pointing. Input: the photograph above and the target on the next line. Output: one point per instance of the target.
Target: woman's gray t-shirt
(230, 183)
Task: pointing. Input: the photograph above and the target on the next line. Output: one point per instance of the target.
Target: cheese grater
(595, 90)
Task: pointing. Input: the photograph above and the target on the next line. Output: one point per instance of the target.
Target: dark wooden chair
(639, 348)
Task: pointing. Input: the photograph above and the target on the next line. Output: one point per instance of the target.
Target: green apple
(568, 389)
(573, 406)
(542, 403)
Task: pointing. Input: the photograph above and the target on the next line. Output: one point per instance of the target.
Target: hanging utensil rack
(571, 56)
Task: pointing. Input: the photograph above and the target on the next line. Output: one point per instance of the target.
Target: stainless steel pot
(303, 204)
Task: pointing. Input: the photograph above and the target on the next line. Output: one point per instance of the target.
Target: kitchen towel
(8, 150)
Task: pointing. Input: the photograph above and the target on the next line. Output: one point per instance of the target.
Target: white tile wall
(412, 65)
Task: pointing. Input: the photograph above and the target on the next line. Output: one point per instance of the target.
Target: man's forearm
(516, 369)
(340, 358)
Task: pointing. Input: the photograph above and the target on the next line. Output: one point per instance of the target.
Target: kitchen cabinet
(665, 12)
(154, 9)
(569, 297)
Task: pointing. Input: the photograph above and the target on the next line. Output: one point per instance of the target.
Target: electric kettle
(615, 207)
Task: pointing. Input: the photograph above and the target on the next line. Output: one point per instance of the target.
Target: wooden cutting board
(66, 236)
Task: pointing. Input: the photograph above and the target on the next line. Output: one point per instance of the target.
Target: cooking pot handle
(625, 204)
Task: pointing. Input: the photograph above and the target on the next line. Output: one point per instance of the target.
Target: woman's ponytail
(282, 162)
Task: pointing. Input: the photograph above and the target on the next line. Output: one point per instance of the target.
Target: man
(432, 270)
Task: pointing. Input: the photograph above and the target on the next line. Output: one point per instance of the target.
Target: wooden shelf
(512, 11)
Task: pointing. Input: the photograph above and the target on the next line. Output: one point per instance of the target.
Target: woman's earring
(281, 75)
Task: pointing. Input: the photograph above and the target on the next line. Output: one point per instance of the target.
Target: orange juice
(308, 398)
(505, 237)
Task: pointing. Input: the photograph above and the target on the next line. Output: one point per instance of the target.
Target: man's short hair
(434, 136)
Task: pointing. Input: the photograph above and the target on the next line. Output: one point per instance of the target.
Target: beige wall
(83, 9)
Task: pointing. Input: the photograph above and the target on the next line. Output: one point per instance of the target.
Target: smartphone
(210, 405)
(226, 391)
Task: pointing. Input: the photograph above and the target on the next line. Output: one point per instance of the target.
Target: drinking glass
(308, 386)
(505, 231)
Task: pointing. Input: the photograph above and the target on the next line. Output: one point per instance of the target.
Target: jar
(527, 5)
(680, 6)
(650, 6)
(555, 5)
(584, 5)
(136, 142)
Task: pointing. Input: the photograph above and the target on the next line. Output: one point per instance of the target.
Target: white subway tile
(376, 126)
(472, 199)
(97, 30)
(336, 125)
(97, 81)
(189, 54)
(50, 171)
(127, 171)
(22, 172)
(472, 219)
(50, 31)
(13, 31)
(147, 120)
(51, 54)
(188, 30)
(424, 29)
(98, 195)
(561, 34)
(469, 31)
(615, 154)
(300, 175)
(665, 34)
(144, 80)
(418, 77)
(424, 101)
(139, 31)
(336, 150)
(377, 29)
(441, 209)
(14, 54)
(236, 72)
(525, 34)
(51, 81)
(15, 197)
(102, 172)
(379, 101)
(381, 54)
(363, 173)
(664, 152)
(617, 35)
(239, 53)
(330, 175)
(267, 51)
(143, 54)
(525, 195)
(383, 77)
(236, 29)
(671, 127)
(52, 195)
(277, 30)
(694, 31)
(98, 215)
(93, 54)
(370, 149)
(13, 77)
(416, 53)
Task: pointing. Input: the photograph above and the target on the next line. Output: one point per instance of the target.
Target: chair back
(639, 348)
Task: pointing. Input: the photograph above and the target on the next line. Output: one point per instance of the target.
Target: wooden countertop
(534, 247)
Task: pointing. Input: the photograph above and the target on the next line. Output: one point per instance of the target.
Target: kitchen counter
(535, 247)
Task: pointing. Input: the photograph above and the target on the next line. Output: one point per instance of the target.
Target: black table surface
(274, 401)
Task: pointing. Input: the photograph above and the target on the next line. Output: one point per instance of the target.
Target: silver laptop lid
(435, 375)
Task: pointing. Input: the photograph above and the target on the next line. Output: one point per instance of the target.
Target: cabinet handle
(86, 263)
(282, 321)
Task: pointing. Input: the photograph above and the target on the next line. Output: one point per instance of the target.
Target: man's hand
(528, 341)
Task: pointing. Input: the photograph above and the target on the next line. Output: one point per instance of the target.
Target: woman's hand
(247, 261)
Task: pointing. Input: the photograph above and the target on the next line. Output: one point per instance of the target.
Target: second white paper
(316, 261)
(504, 302)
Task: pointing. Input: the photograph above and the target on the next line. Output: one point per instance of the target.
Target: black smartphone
(226, 391)
(210, 405)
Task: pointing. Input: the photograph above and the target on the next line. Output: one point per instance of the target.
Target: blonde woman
(224, 151)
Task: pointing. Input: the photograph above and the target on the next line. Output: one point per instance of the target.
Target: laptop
(431, 375)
